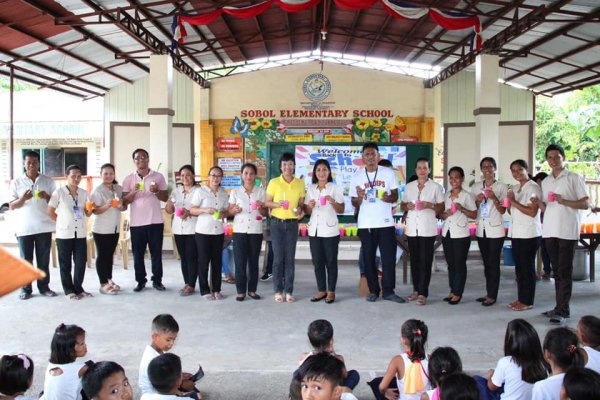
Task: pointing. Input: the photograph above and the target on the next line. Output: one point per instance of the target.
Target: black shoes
(372, 297)
(266, 277)
(395, 298)
(159, 286)
(140, 286)
(48, 293)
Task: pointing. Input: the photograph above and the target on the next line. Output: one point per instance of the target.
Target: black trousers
(246, 250)
(186, 246)
(421, 259)
(561, 253)
(456, 252)
(106, 245)
(324, 254)
(76, 250)
(385, 239)
(151, 236)
(210, 253)
(524, 251)
(490, 249)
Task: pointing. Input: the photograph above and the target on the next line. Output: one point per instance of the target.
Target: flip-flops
(278, 298)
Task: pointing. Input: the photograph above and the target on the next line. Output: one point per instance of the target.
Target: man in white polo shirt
(144, 190)
(373, 190)
(29, 201)
(564, 194)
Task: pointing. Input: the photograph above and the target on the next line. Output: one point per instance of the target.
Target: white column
(160, 111)
(487, 105)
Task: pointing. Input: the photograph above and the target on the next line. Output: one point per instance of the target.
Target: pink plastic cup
(179, 212)
(323, 200)
(303, 231)
(254, 205)
(506, 202)
(453, 207)
(286, 204)
(551, 197)
(418, 205)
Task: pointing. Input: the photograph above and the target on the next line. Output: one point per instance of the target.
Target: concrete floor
(249, 350)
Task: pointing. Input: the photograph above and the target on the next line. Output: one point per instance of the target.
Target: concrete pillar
(160, 111)
(487, 105)
(207, 135)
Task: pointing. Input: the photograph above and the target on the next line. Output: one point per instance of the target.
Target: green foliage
(19, 86)
(574, 123)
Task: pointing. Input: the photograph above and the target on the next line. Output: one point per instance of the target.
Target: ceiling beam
(37, 83)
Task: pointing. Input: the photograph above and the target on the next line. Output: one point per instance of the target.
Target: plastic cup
(217, 215)
(323, 200)
(485, 193)
(286, 204)
(141, 186)
(453, 207)
(506, 202)
(551, 197)
(303, 231)
(89, 206)
(342, 231)
(36, 194)
(179, 211)
(380, 193)
(418, 205)
(114, 203)
(254, 205)
(355, 231)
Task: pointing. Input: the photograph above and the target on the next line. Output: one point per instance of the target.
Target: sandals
(228, 279)
(413, 296)
(84, 294)
(209, 297)
(278, 298)
(108, 289)
(330, 298)
(219, 296)
(518, 306)
(290, 298)
(114, 285)
(317, 298)
(421, 300)
(72, 296)
(186, 291)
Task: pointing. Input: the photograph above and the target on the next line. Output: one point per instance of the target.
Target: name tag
(371, 195)
(77, 213)
(485, 209)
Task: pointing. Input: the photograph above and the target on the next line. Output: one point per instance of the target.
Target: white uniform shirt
(493, 224)
(373, 212)
(423, 222)
(184, 226)
(561, 221)
(109, 220)
(548, 389)
(32, 217)
(143, 380)
(66, 386)
(593, 358)
(249, 220)
(323, 219)
(523, 226)
(204, 197)
(66, 224)
(508, 374)
(458, 223)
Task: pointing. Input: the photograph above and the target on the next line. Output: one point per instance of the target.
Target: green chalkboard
(345, 159)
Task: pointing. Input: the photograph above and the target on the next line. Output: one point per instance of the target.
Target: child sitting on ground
(320, 378)
(580, 384)
(442, 362)
(320, 336)
(588, 332)
(459, 386)
(164, 372)
(406, 376)
(164, 334)
(16, 376)
(561, 353)
(63, 375)
(106, 380)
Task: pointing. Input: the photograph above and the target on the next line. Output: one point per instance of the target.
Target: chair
(89, 241)
(168, 231)
(124, 238)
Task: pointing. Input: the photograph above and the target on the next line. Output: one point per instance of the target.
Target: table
(593, 240)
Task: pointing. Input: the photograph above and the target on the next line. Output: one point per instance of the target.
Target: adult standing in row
(30, 194)
(424, 200)
(564, 194)
(525, 233)
(490, 226)
(324, 201)
(373, 190)
(144, 189)
(184, 227)
(456, 237)
(246, 204)
(285, 198)
(108, 205)
(210, 204)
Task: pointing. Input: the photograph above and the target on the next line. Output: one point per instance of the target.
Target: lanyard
(73, 197)
(372, 184)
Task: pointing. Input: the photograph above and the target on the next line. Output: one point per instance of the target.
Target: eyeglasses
(140, 158)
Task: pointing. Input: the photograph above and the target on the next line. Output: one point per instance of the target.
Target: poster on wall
(344, 162)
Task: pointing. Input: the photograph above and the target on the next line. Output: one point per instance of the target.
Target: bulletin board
(461, 148)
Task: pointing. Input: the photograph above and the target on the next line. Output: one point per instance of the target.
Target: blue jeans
(151, 236)
(42, 243)
(284, 235)
(75, 249)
